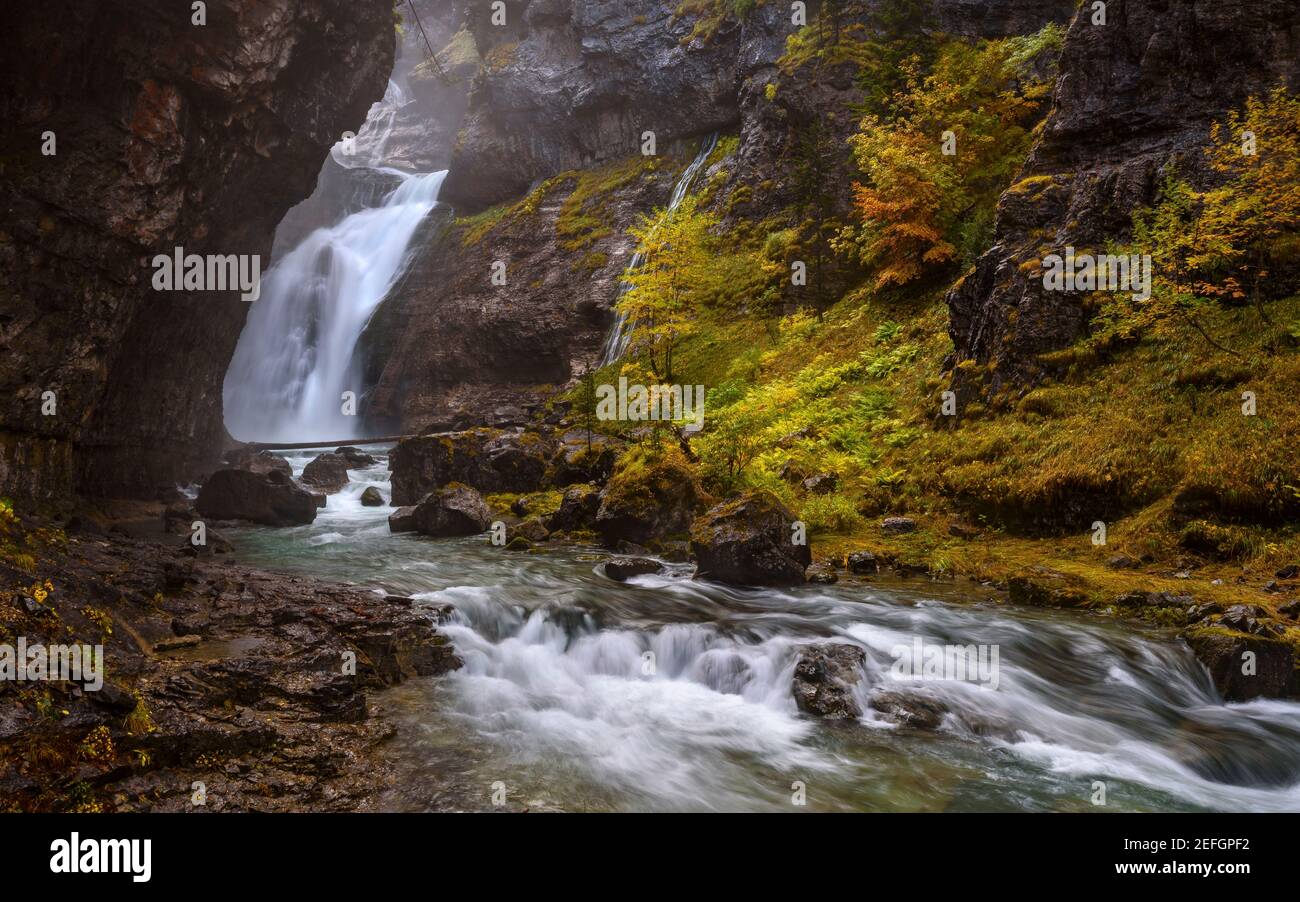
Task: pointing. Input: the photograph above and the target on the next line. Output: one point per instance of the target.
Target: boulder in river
(621, 569)
(402, 519)
(909, 709)
(862, 562)
(355, 457)
(583, 457)
(372, 497)
(748, 541)
(821, 572)
(246, 458)
(487, 460)
(1244, 667)
(653, 494)
(453, 510)
(272, 499)
(825, 678)
(577, 510)
(328, 472)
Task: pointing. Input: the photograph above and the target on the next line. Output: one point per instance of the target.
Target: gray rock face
(271, 499)
(454, 510)
(328, 472)
(402, 519)
(489, 460)
(577, 510)
(257, 461)
(1132, 97)
(621, 569)
(748, 541)
(577, 82)
(1224, 656)
(168, 135)
(825, 678)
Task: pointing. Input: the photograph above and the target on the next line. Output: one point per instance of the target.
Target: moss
(583, 217)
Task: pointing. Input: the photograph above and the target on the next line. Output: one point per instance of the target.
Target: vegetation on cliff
(1144, 427)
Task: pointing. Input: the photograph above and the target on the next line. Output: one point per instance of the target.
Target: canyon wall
(1134, 98)
(564, 92)
(166, 133)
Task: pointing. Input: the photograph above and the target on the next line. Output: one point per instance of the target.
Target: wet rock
(652, 495)
(909, 709)
(245, 458)
(1043, 593)
(175, 642)
(453, 510)
(1291, 571)
(321, 500)
(487, 460)
(271, 499)
(821, 483)
(372, 497)
(355, 457)
(113, 697)
(1290, 609)
(897, 525)
(862, 563)
(821, 573)
(1248, 618)
(578, 460)
(1202, 612)
(532, 529)
(402, 519)
(577, 510)
(1266, 672)
(825, 678)
(1138, 598)
(962, 531)
(748, 541)
(178, 517)
(328, 472)
(622, 569)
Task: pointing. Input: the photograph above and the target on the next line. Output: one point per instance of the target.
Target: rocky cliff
(164, 133)
(1135, 96)
(558, 107)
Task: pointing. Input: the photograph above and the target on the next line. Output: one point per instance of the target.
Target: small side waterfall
(619, 334)
(295, 357)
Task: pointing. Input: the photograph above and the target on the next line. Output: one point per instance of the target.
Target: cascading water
(667, 693)
(295, 357)
(619, 334)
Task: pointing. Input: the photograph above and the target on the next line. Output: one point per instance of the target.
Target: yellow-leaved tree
(934, 163)
(676, 275)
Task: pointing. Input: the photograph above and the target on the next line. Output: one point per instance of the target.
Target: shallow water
(580, 693)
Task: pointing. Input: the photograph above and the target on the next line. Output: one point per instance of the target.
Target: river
(555, 708)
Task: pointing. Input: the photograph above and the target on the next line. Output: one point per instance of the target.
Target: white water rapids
(555, 703)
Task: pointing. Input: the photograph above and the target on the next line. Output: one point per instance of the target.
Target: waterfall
(295, 356)
(619, 334)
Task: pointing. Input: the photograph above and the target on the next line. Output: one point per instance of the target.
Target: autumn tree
(676, 275)
(951, 142)
(1224, 244)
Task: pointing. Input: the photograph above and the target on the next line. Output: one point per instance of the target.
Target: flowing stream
(554, 706)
